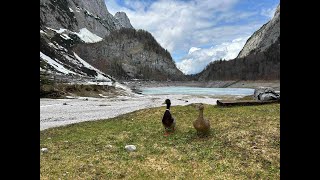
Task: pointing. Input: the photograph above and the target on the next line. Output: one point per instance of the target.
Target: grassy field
(244, 143)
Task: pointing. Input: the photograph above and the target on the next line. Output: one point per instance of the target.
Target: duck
(201, 124)
(168, 121)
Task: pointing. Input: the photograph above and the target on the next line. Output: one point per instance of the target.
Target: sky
(197, 32)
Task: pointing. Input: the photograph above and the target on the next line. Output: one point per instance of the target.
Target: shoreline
(60, 112)
(136, 85)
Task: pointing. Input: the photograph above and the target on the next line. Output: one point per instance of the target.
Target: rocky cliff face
(123, 19)
(264, 37)
(78, 14)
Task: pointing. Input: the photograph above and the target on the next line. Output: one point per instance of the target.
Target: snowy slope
(84, 34)
(55, 64)
(57, 57)
(100, 75)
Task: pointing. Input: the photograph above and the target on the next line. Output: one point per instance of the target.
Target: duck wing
(167, 119)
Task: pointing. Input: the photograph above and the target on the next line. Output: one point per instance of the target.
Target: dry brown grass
(244, 143)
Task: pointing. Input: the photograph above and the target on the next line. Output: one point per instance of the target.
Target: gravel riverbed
(59, 112)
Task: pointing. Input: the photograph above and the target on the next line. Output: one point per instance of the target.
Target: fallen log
(244, 102)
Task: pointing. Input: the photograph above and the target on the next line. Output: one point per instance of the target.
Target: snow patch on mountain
(61, 30)
(55, 64)
(72, 60)
(87, 36)
(64, 36)
(58, 47)
(84, 34)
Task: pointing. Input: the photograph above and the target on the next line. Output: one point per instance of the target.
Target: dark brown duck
(168, 121)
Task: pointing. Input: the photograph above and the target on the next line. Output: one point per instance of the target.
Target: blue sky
(197, 32)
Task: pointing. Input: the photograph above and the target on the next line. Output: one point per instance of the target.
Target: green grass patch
(244, 143)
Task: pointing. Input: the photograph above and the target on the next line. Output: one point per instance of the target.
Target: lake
(197, 91)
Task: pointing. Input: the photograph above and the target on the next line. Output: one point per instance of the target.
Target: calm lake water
(197, 91)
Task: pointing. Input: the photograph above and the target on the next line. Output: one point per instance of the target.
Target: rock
(109, 146)
(265, 94)
(130, 147)
(44, 150)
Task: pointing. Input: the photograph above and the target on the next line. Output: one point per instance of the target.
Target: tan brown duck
(202, 125)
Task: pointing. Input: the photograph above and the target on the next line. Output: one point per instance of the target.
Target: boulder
(266, 94)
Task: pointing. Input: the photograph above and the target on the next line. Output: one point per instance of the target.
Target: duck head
(200, 106)
(168, 102)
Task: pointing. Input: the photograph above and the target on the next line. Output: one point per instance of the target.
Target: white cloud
(179, 26)
(193, 49)
(198, 59)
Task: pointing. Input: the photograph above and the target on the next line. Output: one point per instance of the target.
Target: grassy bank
(62, 90)
(244, 144)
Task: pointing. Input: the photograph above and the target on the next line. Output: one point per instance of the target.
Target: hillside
(131, 54)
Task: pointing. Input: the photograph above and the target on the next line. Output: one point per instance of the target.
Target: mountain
(131, 54)
(259, 59)
(70, 28)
